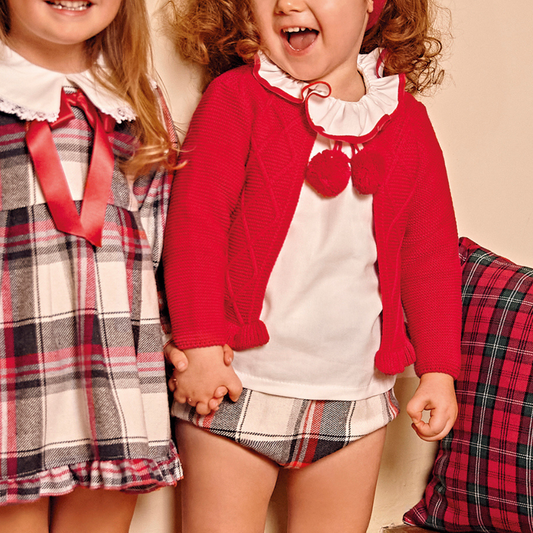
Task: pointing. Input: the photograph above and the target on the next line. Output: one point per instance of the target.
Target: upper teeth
(296, 29)
(75, 5)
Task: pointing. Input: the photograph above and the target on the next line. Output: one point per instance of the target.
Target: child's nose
(289, 6)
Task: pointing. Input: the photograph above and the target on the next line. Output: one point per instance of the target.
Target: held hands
(180, 363)
(435, 394)
(203, 376)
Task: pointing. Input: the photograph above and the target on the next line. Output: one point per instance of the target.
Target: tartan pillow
(482, 478)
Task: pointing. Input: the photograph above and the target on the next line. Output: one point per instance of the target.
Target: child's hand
(206, 372)
(179, 360)
(436, 394)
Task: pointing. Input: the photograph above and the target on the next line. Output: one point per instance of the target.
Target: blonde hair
(126, 50)
(221, 34)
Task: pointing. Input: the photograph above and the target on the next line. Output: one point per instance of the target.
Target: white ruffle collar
(33, 93)
(339, 119)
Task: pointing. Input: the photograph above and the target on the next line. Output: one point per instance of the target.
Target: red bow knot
(90, 223)
(78, 99)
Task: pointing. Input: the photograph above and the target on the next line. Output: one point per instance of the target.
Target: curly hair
(406, 30)
(221, 34)
(125, 47)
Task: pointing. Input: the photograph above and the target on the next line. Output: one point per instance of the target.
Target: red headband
(374, 16)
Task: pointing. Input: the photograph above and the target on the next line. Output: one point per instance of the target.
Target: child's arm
(179, 361)
(435, 394)
(206, 372)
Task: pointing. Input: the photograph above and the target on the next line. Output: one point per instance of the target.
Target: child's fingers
(218, 396)
(214, 403)
(436, 429)
(220, 392)
(176, 357)
(417, 405)
(172, 384)
(234, 386)
(415, 409)
(179, 397)
(425, 432)
(203, 408)
(228, 355)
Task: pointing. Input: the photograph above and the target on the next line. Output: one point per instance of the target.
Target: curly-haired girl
(314, 202)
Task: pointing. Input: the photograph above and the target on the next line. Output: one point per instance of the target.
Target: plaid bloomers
(292, 432)
(83, 398)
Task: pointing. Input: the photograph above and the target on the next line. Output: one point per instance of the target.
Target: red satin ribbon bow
(52, 177)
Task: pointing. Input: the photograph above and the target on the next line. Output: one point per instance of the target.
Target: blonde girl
(311, 220)
(86, 161)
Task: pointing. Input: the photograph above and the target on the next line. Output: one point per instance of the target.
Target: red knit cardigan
(246, 152)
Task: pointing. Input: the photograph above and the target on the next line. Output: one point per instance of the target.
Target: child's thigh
(86, 511)
(25, 517)
(337, 492)
(226, 487)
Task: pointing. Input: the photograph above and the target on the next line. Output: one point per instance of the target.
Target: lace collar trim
(33, 93)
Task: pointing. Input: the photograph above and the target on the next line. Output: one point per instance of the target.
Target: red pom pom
(368, 169)
(329, 172)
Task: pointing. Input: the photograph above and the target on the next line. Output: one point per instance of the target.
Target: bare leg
(25, 517)
(92, 511)
(226, 487)
(337, 492)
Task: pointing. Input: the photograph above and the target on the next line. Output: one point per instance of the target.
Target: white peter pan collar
(33, 93)
(339, 119)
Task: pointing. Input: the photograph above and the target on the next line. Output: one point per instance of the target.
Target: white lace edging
(120, 114)
(24, 113)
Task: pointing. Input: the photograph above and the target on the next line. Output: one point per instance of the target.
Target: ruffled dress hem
(134, 476)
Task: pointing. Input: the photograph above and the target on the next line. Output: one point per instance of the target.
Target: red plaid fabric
(482, 476)
(83, 397)
(292, 432)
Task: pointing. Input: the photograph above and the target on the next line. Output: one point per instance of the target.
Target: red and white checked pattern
(83, 397)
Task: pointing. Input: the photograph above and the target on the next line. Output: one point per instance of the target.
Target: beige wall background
(483, 117)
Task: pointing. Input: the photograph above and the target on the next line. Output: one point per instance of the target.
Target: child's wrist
(203, 352)
(436, 375)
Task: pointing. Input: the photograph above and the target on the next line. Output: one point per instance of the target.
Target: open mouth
(300, 38)
(70, 5)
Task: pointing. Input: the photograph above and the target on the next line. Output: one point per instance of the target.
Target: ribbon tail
(98, 186)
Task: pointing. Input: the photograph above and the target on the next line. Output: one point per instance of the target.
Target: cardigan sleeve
(431, 276)
(204, 196)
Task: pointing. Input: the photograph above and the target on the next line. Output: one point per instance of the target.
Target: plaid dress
(83, 398)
